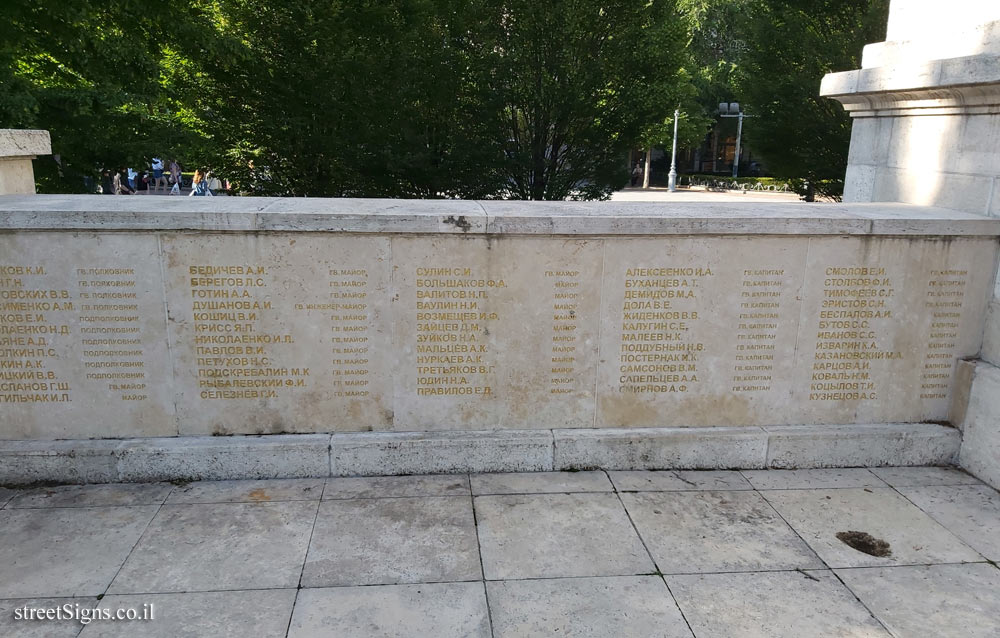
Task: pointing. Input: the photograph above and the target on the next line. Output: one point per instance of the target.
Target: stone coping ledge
(968, 81)
(24, 143)
(401, 453)
(251, 214)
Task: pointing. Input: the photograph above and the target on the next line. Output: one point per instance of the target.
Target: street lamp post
(739, 137)
(732, 109)
(672, 176)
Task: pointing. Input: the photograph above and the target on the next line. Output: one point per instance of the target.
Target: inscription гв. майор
(566, 286)
(659, 306)
(453, 355)
(351, 329)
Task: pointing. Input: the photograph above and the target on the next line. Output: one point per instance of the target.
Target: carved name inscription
(131, 334)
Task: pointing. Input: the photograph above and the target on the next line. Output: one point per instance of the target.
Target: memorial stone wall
(331, 327)
(925, 108)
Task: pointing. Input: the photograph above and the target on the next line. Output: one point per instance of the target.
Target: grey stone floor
(616, 554)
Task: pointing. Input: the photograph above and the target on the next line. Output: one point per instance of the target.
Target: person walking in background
(142, 183)
(119, 184)
(214, 183)
(636, 173)
(158, 178)
(199, 185)
(107, 183)
(175, 177)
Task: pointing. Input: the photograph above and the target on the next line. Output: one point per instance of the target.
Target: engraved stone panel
(156, 334)
(758, 331)
(495, 332)
(83, 349)
(279, 332)
(698, 331)
(883, 322)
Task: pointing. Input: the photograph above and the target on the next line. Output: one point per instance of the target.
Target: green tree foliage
(771, 56)
(89, 72)
(575, 83)
(422, 98)
(426, 98)
(328, 98)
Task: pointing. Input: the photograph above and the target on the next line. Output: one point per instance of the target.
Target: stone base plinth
(368, 454)
(17, 177)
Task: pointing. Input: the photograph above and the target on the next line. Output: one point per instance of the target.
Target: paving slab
(914, 538)
(620, 606)
(540, 482)
(907, 476)
(673, 481)
(205, 547)
(971, 512)
(66, 551)
(393, 540)
(810, 604)
(397, 486)
(262, 491)
(93, 495)
(444, 610)
(558, 535)
(944, 601)
(812, 479)
(698, 532)
(11, 627)
(217, 614)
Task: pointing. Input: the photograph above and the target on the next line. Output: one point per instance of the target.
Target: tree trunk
(645, 175)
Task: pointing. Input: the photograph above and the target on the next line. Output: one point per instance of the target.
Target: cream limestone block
(24, 142)
(17, 176)
(83, 350)
(883, 321)
(495, 332)
(279, 333)
(764, 331)
(698, 331)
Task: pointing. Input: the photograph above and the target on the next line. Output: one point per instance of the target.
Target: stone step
(399, 453)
